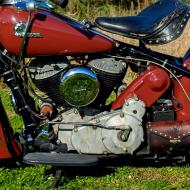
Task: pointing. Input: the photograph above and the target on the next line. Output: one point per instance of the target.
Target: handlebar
(39, 4)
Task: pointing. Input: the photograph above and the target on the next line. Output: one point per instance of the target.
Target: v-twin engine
(117, 132)
(77, 85)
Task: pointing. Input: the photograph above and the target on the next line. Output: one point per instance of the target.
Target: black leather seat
(151, 19)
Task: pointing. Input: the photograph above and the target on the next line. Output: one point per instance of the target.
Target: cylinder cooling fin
(76, 85)
(45, 73)
(110, 72)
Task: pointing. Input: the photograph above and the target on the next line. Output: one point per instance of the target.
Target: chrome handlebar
(29, 5)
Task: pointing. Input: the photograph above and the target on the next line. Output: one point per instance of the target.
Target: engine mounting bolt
(76, 111)
(97, 121)
(124, 135)
(94, 127)
(126, 103)
(105, 153)
(75, 129)
(122, 114)
(125, 149)
(155, 156)
(136, 98)
(58, 141)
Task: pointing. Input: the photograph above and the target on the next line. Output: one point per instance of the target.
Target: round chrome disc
(79, 86)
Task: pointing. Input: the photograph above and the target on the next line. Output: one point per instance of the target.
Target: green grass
(24, 178)
(115, 178)
(16, 120)
(122, 177)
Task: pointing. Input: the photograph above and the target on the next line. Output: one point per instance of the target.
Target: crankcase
(131, 135)
(118, 132)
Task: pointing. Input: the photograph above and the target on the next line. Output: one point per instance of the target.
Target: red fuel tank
(60, 34)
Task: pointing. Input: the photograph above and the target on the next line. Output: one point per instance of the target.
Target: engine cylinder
(110, 72)
(46, 72)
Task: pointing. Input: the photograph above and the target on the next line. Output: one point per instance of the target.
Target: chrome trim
(14, 104)
(79, 70)
(29, 5)
(9, 2)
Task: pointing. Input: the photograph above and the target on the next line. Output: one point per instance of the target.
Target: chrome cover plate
(79, 86)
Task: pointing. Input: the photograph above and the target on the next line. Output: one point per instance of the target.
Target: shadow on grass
(107, 166)
(13, 163)
(9, 163)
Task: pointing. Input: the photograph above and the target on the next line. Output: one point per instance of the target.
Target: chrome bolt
(122, 114)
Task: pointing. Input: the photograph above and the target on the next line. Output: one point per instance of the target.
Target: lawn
(173, 178)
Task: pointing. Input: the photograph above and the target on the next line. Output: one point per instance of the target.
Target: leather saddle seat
(160, 23)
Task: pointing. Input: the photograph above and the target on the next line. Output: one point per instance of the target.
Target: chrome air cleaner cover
(79, 86)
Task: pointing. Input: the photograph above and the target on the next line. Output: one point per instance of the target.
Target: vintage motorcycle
(61, 72)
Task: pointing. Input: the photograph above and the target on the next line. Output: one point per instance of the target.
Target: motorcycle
(61, 72)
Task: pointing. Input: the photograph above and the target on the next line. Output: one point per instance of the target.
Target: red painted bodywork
(9, 148)
(60, 35)
(4, 149)
(184, 112)
(3, 146)
(148, 87)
